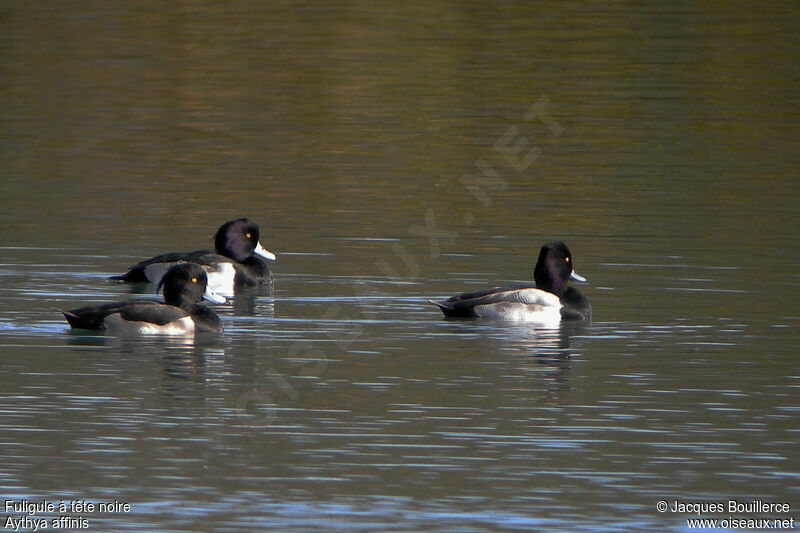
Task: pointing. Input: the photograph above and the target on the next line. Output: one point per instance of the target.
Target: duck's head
(186, 284)
(238, 239)
(555, 268)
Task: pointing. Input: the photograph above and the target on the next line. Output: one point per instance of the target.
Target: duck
(548, 302)
(184, 285)
(236, 262)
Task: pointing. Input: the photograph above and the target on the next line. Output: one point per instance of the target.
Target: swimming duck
(234, 263)
(547, 302)
(184, 285)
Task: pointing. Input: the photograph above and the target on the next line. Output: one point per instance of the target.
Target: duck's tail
(71, 317)
(135, 275)
(446, 307)
(440, 305)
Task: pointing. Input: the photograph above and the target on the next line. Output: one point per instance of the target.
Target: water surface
(392, 154)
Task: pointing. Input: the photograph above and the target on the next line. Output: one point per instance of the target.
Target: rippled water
(375, 147)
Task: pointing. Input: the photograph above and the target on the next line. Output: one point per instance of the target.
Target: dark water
(393, 153)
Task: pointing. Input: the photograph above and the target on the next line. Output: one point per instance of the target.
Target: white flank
(540, 315)
(116, 325)
(220, 280)
(532, 306)
(537, 297)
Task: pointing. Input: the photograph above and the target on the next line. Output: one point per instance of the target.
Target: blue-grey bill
(212, 296)
(575, 277)
(263, 252)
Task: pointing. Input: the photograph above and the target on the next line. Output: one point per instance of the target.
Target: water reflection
(327, 392)
(343, 400)
(253, 301)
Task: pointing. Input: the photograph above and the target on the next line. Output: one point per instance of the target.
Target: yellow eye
(194, 280)
(248, 235)
(567, 259)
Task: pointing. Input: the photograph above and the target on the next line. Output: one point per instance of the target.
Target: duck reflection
(540, 356)
(253, 301)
